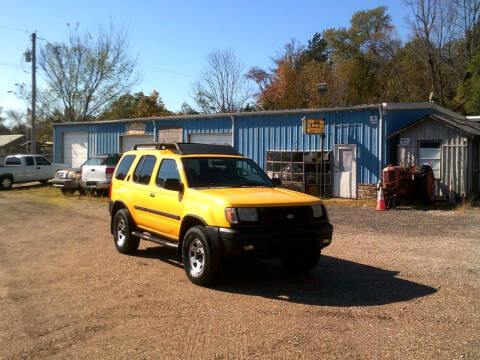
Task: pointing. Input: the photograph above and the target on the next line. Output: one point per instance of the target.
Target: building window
(429, 153)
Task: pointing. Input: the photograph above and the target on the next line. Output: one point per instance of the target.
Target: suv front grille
(285, 215)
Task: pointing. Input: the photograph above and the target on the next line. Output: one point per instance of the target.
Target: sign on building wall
(404, 141)
(313, 126)
(136, 128)
(373, 119)
(170, 134)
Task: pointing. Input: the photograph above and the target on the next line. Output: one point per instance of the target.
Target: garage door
(75, 148)
(211, 138)
(128, 141)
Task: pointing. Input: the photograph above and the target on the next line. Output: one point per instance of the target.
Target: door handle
(92, 169)
(152, 195)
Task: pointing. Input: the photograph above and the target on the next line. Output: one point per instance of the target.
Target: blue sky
(172, 38)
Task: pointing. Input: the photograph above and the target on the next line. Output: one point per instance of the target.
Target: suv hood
(257, 196)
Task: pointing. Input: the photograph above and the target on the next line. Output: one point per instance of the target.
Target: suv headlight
(247, 214)
(317, 211)
(234, 215)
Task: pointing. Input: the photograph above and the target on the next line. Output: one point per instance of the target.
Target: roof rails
(160, 146)
(191, 148)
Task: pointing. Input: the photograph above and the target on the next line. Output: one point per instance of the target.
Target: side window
(13, 161)
(168, 170)
(144, 169)
(124, 167)
(29, 161)
(41, 160)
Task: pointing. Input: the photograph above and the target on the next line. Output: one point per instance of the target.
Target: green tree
(469, 89)
(139, 105)
(186, 109)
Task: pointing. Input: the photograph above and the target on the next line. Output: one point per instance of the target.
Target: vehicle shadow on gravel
(335, 282)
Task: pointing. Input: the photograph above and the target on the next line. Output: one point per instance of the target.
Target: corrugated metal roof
(7, 139)
(465, 125)
(384, 106)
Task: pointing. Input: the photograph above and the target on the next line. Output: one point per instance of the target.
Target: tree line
(367, 62)
(91, 75)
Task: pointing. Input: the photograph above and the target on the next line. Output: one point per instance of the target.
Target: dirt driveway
(393, 285)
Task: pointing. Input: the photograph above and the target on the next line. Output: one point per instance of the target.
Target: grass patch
(350, 202)
(51, 195)
(443, 205)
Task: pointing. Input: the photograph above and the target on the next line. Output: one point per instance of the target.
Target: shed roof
(7, 139)
(465, 126)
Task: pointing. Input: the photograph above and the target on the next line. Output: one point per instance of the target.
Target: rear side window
(13, 161)
(112, 160)
(124, 166)
(168, 170)
(29, 161)
(41, 160)
(144, 169)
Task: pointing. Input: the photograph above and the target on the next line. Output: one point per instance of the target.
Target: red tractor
(408, 183)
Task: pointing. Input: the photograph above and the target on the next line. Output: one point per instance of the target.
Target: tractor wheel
(425, 184)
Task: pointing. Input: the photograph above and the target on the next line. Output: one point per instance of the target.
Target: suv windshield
(207, 172)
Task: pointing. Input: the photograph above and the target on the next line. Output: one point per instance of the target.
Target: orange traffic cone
(381, 201)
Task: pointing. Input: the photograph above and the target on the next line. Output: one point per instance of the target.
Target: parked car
(97, 172)
(26, 168)
(69, 180)
(209, 202)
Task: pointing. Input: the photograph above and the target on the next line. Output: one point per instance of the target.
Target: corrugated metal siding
(213, 125)
(256, 135)
(454, 155)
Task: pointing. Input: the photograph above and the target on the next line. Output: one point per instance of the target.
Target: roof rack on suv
(192, 148)
(159, 146)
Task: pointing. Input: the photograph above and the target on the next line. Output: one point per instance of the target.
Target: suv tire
(123, 225)
(301, 259)
(201, 265)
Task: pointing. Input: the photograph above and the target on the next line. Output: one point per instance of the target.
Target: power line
(169, 71)
(7, 64)
(14, 28)
(14, 71)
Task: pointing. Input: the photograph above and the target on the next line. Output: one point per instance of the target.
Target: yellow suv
(210, 203)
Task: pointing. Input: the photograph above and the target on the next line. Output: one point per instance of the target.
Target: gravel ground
(401, 284)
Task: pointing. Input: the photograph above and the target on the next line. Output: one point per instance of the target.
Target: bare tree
(222, 86)
(434, 24)
(88, 72)
(468, 23)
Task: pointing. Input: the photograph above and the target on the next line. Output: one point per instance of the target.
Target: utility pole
(33, 144)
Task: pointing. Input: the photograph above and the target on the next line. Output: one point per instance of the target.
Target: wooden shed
(450, 145)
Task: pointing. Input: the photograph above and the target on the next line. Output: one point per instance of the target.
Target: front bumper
(66, 183)
(268, 242)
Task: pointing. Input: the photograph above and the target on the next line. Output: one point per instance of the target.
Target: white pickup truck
(26, 168)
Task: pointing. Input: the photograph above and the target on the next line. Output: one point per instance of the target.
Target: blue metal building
(358, 134)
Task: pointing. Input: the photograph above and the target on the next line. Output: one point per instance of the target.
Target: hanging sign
(136, 128)
(313, 126)
(170, 134)
(404, 141)
(373, 120)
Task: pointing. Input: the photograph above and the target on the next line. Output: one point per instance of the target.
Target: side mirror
(277, 182)
(173, 184)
